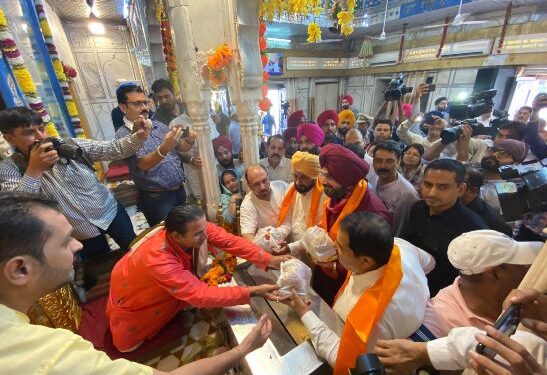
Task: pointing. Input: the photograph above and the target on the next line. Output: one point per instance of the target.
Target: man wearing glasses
(156, 168)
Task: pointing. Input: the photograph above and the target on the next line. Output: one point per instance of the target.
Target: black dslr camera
(466, 112)
(64, 150)
(396, 89)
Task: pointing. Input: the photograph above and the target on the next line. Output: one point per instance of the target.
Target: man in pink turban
(291, 142)
(328, 122)
(343, 178)
(296, 118)
(346, 104)
(222, 146)
(310, 137)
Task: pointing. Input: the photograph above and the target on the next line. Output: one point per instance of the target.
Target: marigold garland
(59, 71)
(168, 50)
(314, 32)
(221, 270)
(22, 75)
(264, 104)
(217, 62)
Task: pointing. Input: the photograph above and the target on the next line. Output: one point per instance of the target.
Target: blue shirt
(234, 132)
(167, 175)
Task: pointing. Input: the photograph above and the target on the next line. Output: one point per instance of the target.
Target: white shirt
(255, 213)
(372, 177)
(452, 352)
(403, 315)
(282, 172)
(297, 218)
(398, 196)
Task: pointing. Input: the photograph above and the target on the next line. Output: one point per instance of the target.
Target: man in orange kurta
(158, 277)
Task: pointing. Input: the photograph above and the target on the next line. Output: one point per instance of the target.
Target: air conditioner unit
(383, 59)
(479, 47)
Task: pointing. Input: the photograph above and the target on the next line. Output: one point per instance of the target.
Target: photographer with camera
(156, 168)
(532, 137)
(64, 172)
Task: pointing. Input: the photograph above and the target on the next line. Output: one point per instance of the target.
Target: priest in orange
(159, 276)
(383, 296)
(343, 178)
(303, 205)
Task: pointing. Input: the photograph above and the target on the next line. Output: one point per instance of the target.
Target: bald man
(354, 137)
(260, 208)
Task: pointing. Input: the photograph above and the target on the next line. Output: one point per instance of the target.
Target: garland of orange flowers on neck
(22, 75)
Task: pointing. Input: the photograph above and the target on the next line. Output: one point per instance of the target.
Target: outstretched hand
(257, 337)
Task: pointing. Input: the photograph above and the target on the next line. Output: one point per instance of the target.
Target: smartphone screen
(429, 80)
(507, 324)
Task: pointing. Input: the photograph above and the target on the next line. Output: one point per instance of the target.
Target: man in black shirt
(441, 217)
(471, 199)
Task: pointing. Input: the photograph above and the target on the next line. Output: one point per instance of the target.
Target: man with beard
(222, 146)
(523, 114)
(303, 204)
(164, 96)
(343, 178)
(260, 208)
(346, 104)
(363, 122)
(156, 168)
(506, 152)
(291, 143)
(441, 105)
(310, 137)
(328, 122)
(346, 121)
(392, 188)
(276, 164)
(36, 257)
(295, 119)
(441, 217)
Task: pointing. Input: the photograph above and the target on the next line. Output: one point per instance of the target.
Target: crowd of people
(422, 248)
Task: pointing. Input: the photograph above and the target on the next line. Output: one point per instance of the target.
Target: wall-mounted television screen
(274, 67)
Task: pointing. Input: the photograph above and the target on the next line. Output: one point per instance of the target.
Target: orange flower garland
(264, 104)
(221, 271)
(217, 62)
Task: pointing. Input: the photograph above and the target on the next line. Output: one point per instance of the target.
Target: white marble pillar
(247, 112)
(196, 92)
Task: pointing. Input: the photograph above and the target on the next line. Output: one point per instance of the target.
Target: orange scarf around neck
(351, 205)
(288, 201)
(364, 317)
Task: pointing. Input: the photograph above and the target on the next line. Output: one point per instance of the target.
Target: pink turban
(295, 119)
(223, 141)
(349, 98)
(313, 132)
(289, 133)
(407, 110)
(343, 165)
(329, 114)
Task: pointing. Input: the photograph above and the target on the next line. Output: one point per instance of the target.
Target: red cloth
(150, 284)
(223, 141)
(407, 110)
(343, 165)
(323, 284)
(289, 133)
(329, 114)
(295, 119)
(349, 98)
(313, 132)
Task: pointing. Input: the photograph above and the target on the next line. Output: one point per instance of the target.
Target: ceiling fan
(459, 20)
(383, 35)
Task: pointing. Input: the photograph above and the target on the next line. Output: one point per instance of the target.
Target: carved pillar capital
(247, 111)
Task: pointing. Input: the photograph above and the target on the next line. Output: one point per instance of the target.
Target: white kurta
(256, 213)
(403, 315)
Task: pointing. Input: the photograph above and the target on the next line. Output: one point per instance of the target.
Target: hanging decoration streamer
(443, 37)
(264, 104)
(59, 71)
(269, 9)
(504, 27)
(217, 61)
(168, 52)
(22, 75)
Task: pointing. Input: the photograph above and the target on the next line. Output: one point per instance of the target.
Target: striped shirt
(87, 204)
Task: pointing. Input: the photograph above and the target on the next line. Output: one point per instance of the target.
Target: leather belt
(162, 190)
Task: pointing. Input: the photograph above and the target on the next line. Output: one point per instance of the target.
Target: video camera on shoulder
(396, 89)
(465, 113)
(66, 151)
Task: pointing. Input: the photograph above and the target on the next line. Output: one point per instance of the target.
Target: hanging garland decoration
(269, 9)
(504, 27)
(443, 38)
(22, 75)
(58, 68)
(264, 104)
(217, 61)
(402, 44)
(168, 52)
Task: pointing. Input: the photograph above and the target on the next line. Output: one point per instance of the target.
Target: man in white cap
(490, 264)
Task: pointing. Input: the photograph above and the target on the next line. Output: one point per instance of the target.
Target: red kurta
(152, 283)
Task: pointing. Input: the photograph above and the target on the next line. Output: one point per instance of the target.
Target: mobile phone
(432, 86)
(507, 324)
(186, 132)
(429, 80)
